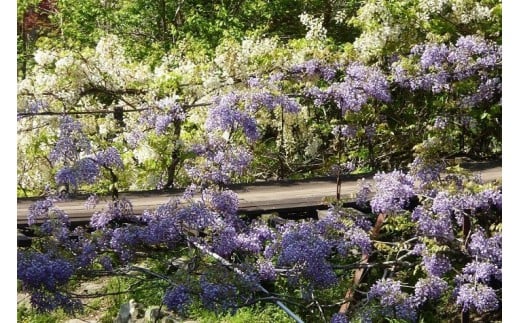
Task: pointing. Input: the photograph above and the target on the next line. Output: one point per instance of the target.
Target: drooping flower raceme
(433, 224)
(220, 161)
(40, 210)
(393, 192)
(357, 85)
(177, 298)
(306, 246)
(393, 301)
(109, 157)
(339, 318)
(315, 29)
(430, 288)
(218, 297)
(478, 297)
(224, 202)
(225, 115)
(301, 247)
(436, 264)
(440, 66)
(44, 275)
(489, 249)
(71, 141)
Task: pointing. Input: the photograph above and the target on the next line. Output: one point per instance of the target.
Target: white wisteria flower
(44, 57)
(315, 29)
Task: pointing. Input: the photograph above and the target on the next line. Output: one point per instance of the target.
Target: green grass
(26, 315)
(266, 313)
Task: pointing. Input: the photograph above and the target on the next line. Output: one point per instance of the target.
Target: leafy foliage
(134, 95)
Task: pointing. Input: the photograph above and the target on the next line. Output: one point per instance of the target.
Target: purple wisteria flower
(345, 131)
(195, 216)
(253, 240)
(276, 77)
(44, 275)
(158, 116)
(35, 106)
(344, 237)
(134, 137)
(484, 248)
(163, 225)
(436, 264)
(429, 289)
(170, 111)
(418, 249)
(106, 263)
(109, 157)
(426, 172)
(302, 247)
(92, 201)
(55, 222)
(256, 100)
(478, 297)
(43, 270)
(224, 202)
(44, 301)
(177, 298)
(393, 192)
(224, 241)
(218, 296)
(486, 92)
(339, 318)
(482, 272)
(88, 252)
(288, 104)
(440, 123)
(394, 302)
(266, 270)
(248, 242)
(388, 291)
(71, 141)
(433, 225)
(254, 82)
(360, 84)
(445, 205)
(85, 170)
(220, 161)
(39, 210)
(315, 68)
(371, 79)
(225, 115)
(440, 65)
(124, 241)
(432, 55)
(173, 107)
(348, 97)
(116, 210)
(474, 289)
(161, 123)
(319, 96)
(306, 247)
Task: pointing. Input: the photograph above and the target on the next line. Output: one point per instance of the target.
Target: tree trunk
(176, 155)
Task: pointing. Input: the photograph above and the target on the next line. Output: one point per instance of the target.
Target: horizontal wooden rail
(283, 197)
